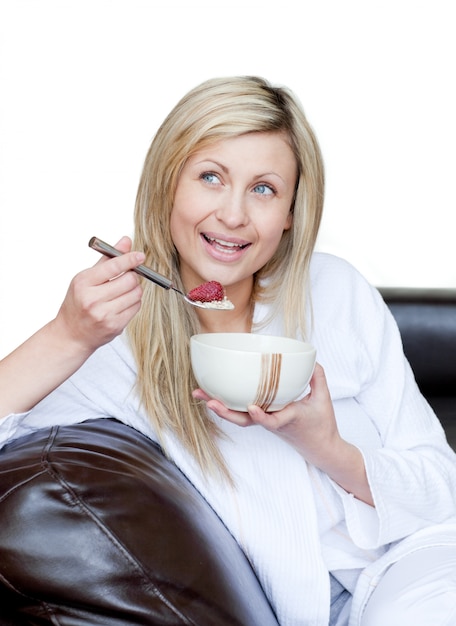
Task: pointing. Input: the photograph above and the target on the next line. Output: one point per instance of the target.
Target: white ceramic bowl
(243, 368)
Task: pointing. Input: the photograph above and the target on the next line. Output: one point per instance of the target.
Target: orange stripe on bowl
(271, 365)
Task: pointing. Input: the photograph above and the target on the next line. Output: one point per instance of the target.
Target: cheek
(180, 213)
(177, 228)
(277, 227)
(271, 239)
(275, 241)
(188, 209)
(173, 229)
(288, 221)
(179, 209)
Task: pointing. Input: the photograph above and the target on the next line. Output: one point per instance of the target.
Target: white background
(84, 85)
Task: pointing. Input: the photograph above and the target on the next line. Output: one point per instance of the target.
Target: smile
(228, 247)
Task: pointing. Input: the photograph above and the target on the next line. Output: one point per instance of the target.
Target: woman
(355, 479)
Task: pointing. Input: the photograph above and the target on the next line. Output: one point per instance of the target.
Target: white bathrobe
(293, 522)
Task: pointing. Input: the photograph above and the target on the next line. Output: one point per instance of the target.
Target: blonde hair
(217, 109)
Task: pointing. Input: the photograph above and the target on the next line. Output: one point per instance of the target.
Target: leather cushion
(427, 322)
(98, 527)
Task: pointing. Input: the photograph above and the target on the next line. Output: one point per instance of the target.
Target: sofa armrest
(427, 323)
(99, 528)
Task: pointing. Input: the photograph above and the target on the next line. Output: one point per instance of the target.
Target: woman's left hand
(309, 425)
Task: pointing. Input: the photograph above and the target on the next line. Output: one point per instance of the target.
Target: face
(231, 207)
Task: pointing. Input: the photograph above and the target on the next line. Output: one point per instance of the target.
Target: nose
(232, 210)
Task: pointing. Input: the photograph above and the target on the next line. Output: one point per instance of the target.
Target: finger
(271, 420)
(125, 300)
(117, 287)
(111, 318)
(127, 314)
(105, 329)
(199, 394)
(235, 417)
(104, 301)
(124, 244)
(318, 373)
(318, 383)
(96, 284)
(107, 269)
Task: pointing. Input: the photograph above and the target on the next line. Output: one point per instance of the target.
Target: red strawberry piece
(207, 292)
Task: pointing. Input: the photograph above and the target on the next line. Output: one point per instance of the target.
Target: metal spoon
(158, 279)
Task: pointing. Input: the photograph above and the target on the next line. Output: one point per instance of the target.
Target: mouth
(224, 245)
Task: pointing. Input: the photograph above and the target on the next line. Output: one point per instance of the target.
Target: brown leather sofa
(427, 321)
(98, 528)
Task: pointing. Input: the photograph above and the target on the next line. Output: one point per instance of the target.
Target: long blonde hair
(217, 109)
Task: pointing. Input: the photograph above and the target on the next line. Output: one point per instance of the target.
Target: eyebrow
(220, 165)
(226, 170)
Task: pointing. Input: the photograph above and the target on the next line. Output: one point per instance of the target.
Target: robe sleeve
(412, 472)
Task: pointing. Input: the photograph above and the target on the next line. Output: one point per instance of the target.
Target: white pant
(418, 590)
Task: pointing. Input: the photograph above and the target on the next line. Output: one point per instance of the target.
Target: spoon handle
(142, 270)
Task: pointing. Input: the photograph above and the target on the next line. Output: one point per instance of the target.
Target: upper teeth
(221, 242)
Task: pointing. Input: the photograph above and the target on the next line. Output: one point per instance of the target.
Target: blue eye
(210, 177)
(264, 190)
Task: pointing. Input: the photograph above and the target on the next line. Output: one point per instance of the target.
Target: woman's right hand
(101, 300)
(98, 305)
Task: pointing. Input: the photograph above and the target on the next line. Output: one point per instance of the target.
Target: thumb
(318, 383)
(124, 244)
